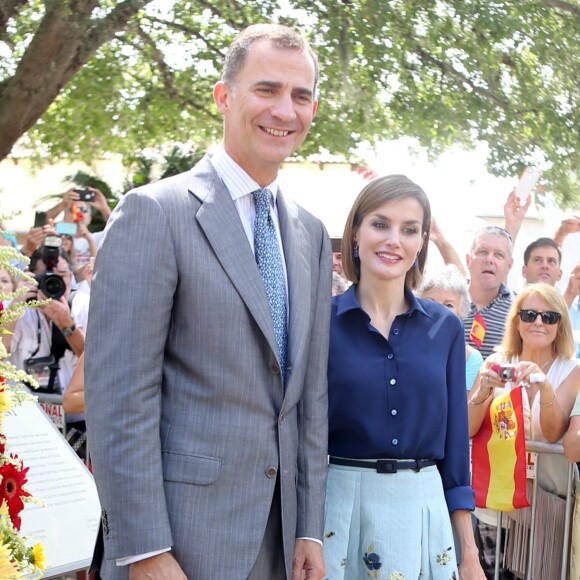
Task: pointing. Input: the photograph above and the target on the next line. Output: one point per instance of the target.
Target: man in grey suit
(207, 412)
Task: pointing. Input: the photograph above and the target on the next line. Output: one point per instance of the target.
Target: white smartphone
(527, 182)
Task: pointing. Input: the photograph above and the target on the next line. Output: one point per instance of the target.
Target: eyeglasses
(548, 317)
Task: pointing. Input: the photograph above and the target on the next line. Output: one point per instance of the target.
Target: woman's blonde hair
(563, 345)
(379, 191)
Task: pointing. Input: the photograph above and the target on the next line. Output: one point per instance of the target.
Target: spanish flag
(77, 215)
(498, 455)
(477, 333)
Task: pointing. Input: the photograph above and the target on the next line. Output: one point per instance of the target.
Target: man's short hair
(542, 243)
(493, 231)
(278, 35)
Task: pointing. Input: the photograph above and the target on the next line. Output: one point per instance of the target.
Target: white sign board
(67, 524)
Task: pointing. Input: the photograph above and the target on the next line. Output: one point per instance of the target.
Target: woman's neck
(542, 357)
(382, 302)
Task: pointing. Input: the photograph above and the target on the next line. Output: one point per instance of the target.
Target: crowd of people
(256, 409)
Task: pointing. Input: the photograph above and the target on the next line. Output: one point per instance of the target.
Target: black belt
(385, 465)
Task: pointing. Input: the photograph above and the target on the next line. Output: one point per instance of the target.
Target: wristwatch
(68, 330)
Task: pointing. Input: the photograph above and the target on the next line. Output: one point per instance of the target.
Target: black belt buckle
(386, 466)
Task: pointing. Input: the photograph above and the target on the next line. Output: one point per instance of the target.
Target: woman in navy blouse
(398, 435)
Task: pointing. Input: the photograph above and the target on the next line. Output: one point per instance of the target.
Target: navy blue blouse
(401, 398)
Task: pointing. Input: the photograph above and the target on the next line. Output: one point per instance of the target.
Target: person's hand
(30, 294)
(69, 198)
(470, 567)
(100, 203)
(528, 373)
(161, 566)
(308, 561)
(36, 236)
(569, 225)
(57, 310)
(100, 200)
(435, 234)
(488, 381)
(514, 212)
(83, 231)
(574, 281)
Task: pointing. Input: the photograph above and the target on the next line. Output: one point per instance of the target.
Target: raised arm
(447, 251)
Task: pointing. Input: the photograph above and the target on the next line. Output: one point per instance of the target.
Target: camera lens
(52, 285)
(507, 374)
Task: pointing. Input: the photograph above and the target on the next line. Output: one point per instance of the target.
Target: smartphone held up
(85, 194)
(527, 182)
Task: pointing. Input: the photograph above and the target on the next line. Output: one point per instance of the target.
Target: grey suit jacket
(186, 410)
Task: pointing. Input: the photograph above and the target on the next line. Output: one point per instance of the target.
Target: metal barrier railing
(540, 448)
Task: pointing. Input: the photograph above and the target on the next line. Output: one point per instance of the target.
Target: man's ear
(314, 107)
(220, 96)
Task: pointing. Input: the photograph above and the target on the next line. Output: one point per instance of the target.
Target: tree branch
(186, 30)
(449, 71)
(167, 76)
(565, 6)
(8, 9)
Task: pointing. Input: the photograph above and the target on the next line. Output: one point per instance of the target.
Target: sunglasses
(503, 232)
(548, 317)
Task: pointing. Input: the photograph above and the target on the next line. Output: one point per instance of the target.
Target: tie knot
(262, 198)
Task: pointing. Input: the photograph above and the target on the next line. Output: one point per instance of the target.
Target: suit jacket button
(271, 472)
(275, 369)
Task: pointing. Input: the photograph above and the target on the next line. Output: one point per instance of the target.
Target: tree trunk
(66, 39)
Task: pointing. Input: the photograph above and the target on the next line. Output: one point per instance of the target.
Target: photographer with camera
(46, 341)
(536, 353)
(77, 205)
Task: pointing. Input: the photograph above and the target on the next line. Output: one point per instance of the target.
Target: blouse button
(393, 381)
(395, 441)
(390, 356)
(394, 412)
(396, 331)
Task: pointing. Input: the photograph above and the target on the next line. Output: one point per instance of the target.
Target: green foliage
(442, 71)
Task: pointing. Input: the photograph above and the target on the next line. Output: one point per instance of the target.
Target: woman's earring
(354, 249)
(415, 263)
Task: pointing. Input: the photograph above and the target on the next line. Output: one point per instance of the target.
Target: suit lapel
(296, 250)
(219, 220)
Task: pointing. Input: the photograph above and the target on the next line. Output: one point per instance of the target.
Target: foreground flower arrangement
(17, 558)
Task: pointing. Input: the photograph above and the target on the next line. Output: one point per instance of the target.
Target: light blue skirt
(387, 526)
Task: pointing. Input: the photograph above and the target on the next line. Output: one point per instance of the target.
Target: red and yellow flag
(477, 332)
(77, 215)
(498, 455)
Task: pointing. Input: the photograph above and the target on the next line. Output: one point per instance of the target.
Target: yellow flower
(38, 559)
(4, 508)
(8, 569)
(5, 400)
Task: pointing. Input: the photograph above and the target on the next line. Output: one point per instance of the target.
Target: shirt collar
(349, 301)
(504, 290)
(237, 181)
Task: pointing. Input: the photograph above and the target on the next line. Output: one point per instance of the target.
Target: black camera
(52, 284)
(85, 194)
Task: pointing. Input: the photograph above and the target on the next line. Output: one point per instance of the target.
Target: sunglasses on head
(548, 317)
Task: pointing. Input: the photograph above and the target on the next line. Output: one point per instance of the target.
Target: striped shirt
(494, 315)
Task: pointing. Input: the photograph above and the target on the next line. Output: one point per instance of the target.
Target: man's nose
(283, 108)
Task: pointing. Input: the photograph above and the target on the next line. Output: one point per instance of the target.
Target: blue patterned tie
(271, 268)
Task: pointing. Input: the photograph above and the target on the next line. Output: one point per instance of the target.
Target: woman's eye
(379, 225)
(411, 231)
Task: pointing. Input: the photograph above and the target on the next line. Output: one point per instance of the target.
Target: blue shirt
(401, 398)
